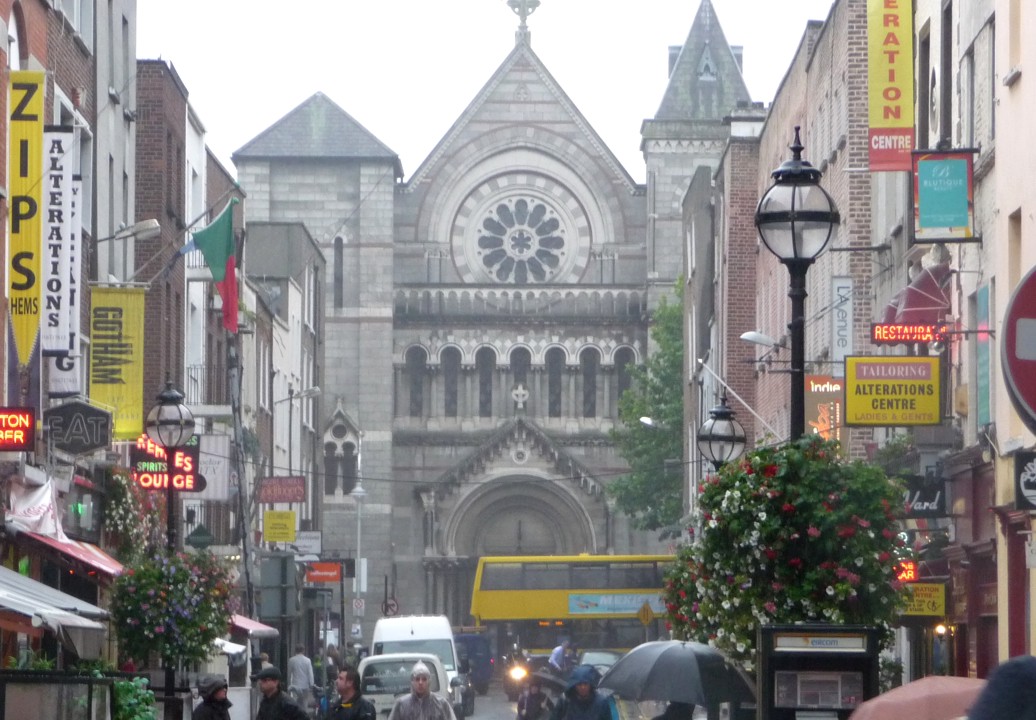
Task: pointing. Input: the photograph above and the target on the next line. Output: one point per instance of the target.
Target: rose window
(520, 229)
(521, 241)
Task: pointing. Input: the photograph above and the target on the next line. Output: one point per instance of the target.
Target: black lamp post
(721, 438)
(796, 219)
(170, 424)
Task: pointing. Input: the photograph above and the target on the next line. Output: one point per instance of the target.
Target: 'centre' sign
(886, 390)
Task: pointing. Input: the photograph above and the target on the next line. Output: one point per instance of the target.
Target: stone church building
(483, 314)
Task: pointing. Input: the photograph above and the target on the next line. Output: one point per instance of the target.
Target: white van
(427, 634)
(384, 678)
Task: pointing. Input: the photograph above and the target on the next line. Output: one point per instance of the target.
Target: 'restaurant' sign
(892, 391)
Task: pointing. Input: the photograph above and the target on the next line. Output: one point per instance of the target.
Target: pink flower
(770, 608)
(813, 531)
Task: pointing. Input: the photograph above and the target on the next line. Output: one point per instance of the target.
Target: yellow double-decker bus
(597, 601)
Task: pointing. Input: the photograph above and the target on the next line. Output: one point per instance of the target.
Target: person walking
(581, 701)
(533, 703)
(351, 703)
(300, 675)
(276, 705)
(421, 703)
(212, 689)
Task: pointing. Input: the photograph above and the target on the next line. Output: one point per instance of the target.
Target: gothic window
(555, 371)
(521, 229)
(339, 271)
(521, 359)
(623, 365)
(350, 468)
(485, 364)
(589, 363)
(450, 380)
(332, 469)
(416, 365)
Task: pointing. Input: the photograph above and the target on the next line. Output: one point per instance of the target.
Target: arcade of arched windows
(494, 388)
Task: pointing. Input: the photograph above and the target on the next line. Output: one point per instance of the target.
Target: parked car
(383, 678)
(475, 648)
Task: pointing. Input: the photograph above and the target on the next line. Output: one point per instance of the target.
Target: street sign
(77, 427)
(390, 608)
(646, 615)
(1019, 349)
(358, 607)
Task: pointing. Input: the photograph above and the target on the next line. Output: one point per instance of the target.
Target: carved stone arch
(494, 507)
(619, 347)
(542, 358)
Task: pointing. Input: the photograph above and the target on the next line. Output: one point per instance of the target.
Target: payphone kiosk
(815, 671)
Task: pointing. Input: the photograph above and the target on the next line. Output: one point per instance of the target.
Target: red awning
(253, 627)
(84, 552)
(925, 301)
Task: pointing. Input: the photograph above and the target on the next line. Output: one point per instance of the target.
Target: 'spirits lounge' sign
(150, 466)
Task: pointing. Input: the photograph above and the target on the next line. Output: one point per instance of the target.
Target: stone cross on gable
(523, 9)
(520, 395)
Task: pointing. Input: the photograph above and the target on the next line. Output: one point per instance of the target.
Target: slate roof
(318, 128)
(706, 81)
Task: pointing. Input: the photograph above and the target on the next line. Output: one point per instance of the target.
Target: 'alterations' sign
(892, 391)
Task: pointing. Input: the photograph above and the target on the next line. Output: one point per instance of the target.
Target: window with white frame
(80, 14)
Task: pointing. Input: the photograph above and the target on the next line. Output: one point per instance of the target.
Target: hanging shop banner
(64, 372)
(944, 197)
(983, 360)
(279, 526)
(158, 468)
(117, 357)
(1025, 480)
(926, 599)
(57, 230)
(824, 406)
(890, 76)
(25, 174)
(842, 322)
(925, 496)
(289, 489)
(892, 391)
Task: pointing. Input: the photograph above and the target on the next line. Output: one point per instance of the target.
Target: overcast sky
(406, 69)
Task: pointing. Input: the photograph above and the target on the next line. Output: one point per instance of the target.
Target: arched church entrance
(514, 514)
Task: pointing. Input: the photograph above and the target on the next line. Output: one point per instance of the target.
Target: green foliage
(134, 700)
(175, 606)
(652, 493)
(789, 534)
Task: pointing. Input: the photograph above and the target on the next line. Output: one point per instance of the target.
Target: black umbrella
(548, 679)
(687, 672)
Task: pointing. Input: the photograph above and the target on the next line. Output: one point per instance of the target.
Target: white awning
(228, 648)
(74, 621)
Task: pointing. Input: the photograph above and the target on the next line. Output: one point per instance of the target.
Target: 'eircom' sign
(892, 391)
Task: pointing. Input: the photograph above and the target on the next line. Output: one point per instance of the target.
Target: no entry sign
(1018, 349)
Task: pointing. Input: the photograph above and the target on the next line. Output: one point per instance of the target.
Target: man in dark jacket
(581, 701)
(212, 689)
(275, 705)
(351, 703)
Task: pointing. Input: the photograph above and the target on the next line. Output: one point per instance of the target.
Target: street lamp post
(796, 218)
(721, 438)
(170, 424)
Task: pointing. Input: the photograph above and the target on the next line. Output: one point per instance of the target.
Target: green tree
(789, 534)
(652, 493)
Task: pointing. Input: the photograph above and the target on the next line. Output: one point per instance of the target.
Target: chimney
(674, 53)
(739, 56)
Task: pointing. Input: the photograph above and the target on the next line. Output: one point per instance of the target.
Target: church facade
(483, 314)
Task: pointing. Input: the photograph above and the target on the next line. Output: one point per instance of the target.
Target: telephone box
(815, 672)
